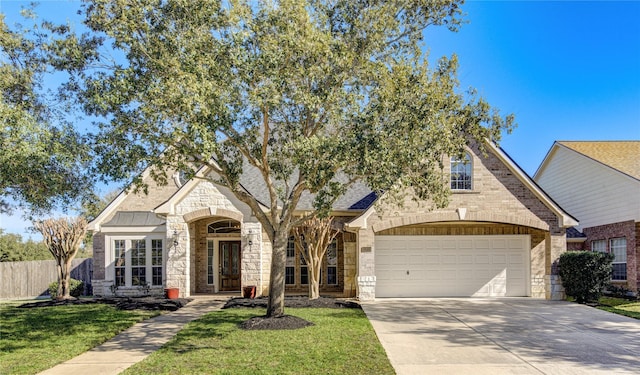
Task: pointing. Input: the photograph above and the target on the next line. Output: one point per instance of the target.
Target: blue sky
(568, 70)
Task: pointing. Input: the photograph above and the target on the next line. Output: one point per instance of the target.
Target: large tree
(43, 157)
(313, 95)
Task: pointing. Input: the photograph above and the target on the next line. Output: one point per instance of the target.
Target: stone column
(178, 262)
(555, 244)
(251, 255)
(366, 266)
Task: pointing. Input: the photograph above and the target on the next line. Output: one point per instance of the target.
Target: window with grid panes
(138, 262)
(618, 248)
(120, 262)
(461, 173)
(332, 263)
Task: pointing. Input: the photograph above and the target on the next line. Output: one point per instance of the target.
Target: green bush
(585, 274)
(76, 286)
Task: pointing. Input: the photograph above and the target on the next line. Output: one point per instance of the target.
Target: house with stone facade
(500, 235)
(599, 183)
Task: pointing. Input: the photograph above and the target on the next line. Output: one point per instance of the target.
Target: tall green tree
(43, 157)
(13, 248)
(312, 95)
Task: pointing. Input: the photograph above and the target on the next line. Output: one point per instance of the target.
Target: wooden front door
(230, 257)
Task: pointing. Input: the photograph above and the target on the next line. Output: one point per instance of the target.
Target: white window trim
(452, 161)
(619, 262)
(110, 257)
(599, 241)
(214, 262)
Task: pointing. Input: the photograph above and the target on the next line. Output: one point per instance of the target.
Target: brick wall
(629, 230)
(98, 256)
(156, 195)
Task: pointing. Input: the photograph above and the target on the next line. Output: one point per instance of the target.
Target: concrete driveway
(503, 336)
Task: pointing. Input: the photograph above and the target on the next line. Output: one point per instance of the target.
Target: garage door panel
(451, 266)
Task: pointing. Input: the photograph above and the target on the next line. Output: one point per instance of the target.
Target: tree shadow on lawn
(212, 327)
(31, 328)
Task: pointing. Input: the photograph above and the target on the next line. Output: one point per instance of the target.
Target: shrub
(76, 286)
(585, 274)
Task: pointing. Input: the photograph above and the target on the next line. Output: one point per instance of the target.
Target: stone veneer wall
(629, 230)
(252, 257)
(178, 266)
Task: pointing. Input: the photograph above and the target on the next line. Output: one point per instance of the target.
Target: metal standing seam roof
(623, 156)
(134, 218)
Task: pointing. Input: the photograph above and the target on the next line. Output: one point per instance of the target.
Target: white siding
(590, 191)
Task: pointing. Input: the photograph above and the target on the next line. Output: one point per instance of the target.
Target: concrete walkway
(503, 336)
(136, 343)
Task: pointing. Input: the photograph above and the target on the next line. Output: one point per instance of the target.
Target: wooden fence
(31, 279)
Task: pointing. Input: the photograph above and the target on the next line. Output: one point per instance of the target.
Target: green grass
(341, 342)
(620, 306)
(35, 339)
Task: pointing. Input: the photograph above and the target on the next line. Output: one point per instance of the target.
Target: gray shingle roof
(572, 232)
(357, 197)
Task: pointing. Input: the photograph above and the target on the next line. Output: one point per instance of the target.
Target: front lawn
(35, 339)
(342, 341)
(620, 306)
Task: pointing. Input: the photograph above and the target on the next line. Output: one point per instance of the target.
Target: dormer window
(461, 173)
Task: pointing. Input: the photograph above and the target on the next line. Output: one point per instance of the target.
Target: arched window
(461, 173)
(224, 226)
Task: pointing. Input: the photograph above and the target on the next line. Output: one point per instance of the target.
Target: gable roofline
(564, 219)
(168, 207)
(560, 144)
(94, 225)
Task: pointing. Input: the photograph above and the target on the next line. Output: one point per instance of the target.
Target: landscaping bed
(121, 303)
(286, 321)
(293, 301)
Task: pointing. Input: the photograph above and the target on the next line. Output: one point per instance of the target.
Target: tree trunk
(61, 289)
(275, 307)
(314, 279)
(66, 277)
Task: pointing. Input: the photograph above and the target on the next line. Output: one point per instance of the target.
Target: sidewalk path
(136, 343)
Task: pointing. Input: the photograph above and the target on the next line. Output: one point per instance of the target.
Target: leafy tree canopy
(42, 155)
(313, 95)
(14, 249)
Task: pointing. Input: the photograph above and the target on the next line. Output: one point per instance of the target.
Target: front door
(229, 265)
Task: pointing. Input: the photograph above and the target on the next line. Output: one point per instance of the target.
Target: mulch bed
(293, 301)
(121, 303)
(286, 321)
(279, 323)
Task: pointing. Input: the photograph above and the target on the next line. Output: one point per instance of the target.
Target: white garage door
(452, 266)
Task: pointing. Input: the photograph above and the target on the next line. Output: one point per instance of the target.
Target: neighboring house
(599, 183)
(501, 235)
